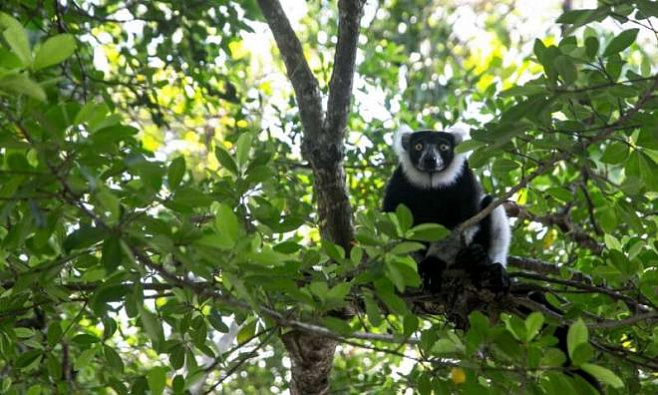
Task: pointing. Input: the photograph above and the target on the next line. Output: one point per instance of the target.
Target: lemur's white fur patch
(460, 133)
(501, 236)
(426, 180)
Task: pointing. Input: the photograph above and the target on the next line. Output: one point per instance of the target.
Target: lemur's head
(428, 158)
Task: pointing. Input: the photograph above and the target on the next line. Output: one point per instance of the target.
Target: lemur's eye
(418, 147)
(444, 147)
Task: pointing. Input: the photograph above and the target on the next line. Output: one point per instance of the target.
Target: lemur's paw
(473, 256)
(431, 271)
(494, 277)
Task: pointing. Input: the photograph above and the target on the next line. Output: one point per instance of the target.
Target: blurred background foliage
(145, 139)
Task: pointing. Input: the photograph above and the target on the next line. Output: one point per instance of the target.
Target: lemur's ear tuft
(459, 132)
(401, 138)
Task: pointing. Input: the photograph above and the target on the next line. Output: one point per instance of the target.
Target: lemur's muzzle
(431, 163)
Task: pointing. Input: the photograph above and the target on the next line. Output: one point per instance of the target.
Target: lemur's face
(430, 151)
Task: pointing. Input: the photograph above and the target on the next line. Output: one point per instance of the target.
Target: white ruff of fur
(500, 236)
(425, 180)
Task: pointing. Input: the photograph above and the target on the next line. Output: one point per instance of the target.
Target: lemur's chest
(444, 208)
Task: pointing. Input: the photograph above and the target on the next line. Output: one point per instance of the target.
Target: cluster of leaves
(112, 258)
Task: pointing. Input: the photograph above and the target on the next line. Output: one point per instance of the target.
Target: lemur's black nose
(430, 162)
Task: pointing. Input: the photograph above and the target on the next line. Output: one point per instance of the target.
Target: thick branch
(342, 76)
(584, 286)
(323, 144)
(537, 266)
(307, 90)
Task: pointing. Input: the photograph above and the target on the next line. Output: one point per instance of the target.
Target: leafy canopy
(157, 229)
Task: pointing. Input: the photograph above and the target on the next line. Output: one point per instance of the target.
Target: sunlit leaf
(54, 50)
(620, 42)
(577, 335)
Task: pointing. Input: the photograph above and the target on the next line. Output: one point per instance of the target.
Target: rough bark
(312, 358)
(323, 147)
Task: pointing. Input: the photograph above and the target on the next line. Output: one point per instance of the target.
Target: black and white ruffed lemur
(437, 185)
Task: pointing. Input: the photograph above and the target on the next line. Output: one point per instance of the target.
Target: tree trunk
(323, 147)
(312, 357)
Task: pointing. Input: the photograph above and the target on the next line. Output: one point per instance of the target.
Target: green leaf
(192, 197)
(582, 354)
(24, 333)
(553, 357)
(55, 50)
(54, 367)
(648, 8)
(583, 16)
(607, 218)
(84, 237)
(406, 247)
(372, 310)
(152, 326)
(393, 274)
(614, 66)
(615, 153)
(356, 255)
(503, 165)
(516, 327)
(533, 324)
(227, 223)
(648, 171)
(92, 113)
(428, 232)
(34, 390)
(85, 339)
(226, 160)
(113, 359)
(157, 378)
(604, 375)
(445, 346)
(84, 359)
(339, 292)
(16, 37)
(539, 50)
(6, 384)
(405, 217)
(611, 242)
(287, 247)
(591, 47)
(178, 384)
(27, 358)
(177, 356)
(246, 332)
(621, 42)
(410, 324)
(560, 193)
(576, 336)
(390, 299)
(525, 90)
(337, 325)
(21, 84)
(110, 203)
(469, 145)
(566, 69)
(176, 172)
(334, 251)
(319, 289)
(243, 146)
(54, 333)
